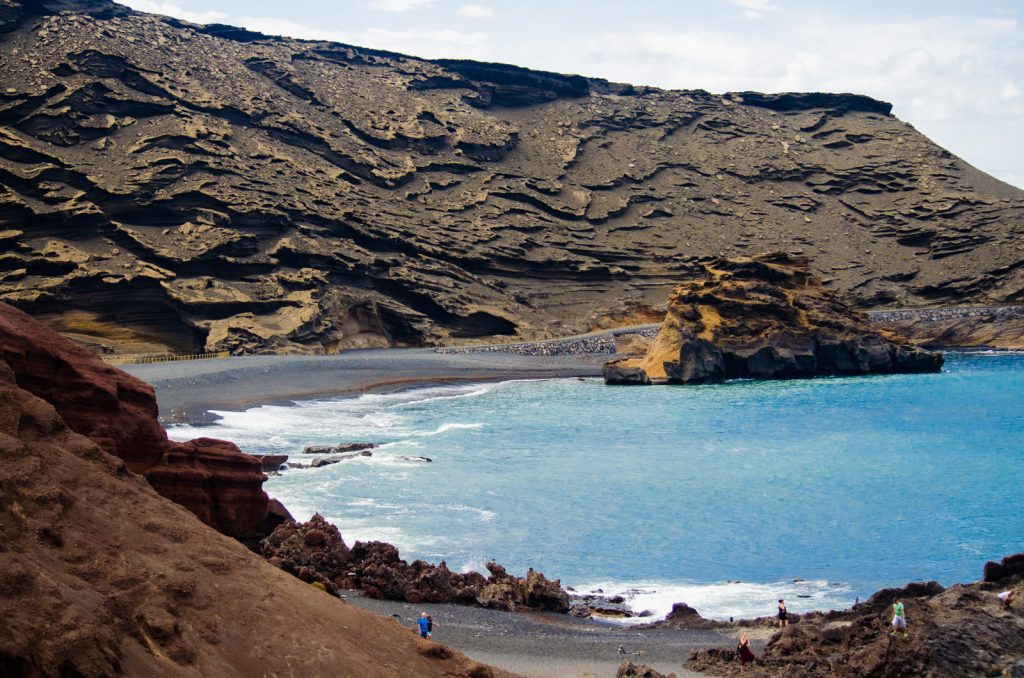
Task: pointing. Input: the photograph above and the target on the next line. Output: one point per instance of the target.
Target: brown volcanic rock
(216, 481)
(212, 478)
(311, 196)
(959, 631)
(766, 316)
(101, 576)
(315, 552)
(113, 408)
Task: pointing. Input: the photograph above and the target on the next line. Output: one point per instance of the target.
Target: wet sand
(544, 645)
(187, 390)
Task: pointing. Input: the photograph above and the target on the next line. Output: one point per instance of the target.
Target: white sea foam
(474, 564)
(450, 426)
(370, 416)
(725, 600)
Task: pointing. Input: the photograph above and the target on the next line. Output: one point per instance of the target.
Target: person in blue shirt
(424, 625)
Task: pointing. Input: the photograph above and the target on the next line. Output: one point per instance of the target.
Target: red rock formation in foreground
(764, 317)
(212, 478)
(315, 552)
(101, 576)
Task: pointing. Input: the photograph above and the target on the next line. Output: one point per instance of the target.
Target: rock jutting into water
(316, 553)
(341, 448)
(764, 317)
(962, 630)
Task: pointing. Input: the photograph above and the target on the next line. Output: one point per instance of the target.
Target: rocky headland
(259, 194)
(962, 630)
(767, 316)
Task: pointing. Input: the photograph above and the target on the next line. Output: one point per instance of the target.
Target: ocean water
(726, 497)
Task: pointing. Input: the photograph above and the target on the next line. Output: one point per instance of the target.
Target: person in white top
(1007, 598)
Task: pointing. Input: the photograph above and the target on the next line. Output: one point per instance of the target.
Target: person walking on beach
(1006, 597)
(899, 619)
(424, 624)
(430, 626)
(743, 651)
(783, 614)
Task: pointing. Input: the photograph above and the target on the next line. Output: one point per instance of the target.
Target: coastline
(534, 645)
(548, 645)
(186, 391)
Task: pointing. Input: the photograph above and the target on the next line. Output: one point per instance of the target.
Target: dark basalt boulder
(764, 317)
(682, 616)
(316, 553)
(1010, 566)
(628, 669)
(621, 375)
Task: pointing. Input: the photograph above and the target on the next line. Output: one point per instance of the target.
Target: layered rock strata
(100, 576)
(253, 193)
(316, 553)
(212, 478)
(764, 317)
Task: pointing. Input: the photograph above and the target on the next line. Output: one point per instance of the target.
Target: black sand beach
(546, 645)
(187, 390)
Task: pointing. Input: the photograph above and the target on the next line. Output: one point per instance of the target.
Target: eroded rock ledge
(765, 317)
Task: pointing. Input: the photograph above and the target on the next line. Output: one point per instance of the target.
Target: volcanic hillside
(247, 192)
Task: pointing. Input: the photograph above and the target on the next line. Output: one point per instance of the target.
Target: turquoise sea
(727, 497)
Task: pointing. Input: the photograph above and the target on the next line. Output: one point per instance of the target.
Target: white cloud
(755, 9)
(292, 29)
(397, 5)
(431, 44)
(475, 11)
(428, 44)
(169, 9)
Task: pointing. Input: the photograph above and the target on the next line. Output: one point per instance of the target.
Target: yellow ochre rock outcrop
(765, 316)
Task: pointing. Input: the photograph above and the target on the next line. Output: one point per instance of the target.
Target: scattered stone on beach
(342, 448)
(764, 317)
(591, 605)
(315, 551)
(628, 669)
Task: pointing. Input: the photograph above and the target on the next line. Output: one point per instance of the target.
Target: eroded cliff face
(766, 316)
(212, 478)
(253, 193)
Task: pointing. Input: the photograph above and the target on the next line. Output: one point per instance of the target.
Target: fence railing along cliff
(146, 358)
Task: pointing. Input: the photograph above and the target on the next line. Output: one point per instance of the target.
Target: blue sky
(955, 70)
